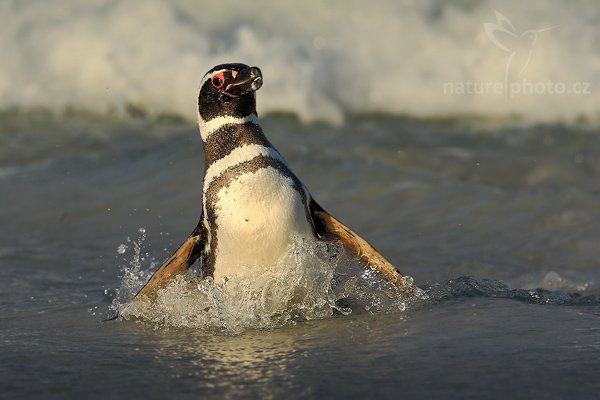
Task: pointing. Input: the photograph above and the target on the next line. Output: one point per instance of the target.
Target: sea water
(489, 203)
(320, 60)
(495, 225)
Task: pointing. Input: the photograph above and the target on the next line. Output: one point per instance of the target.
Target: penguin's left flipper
(327, 225)
(180, 261)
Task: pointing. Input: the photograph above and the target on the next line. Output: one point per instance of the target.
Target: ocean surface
(488, 198)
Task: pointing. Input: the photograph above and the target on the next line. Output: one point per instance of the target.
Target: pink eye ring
(218, 80)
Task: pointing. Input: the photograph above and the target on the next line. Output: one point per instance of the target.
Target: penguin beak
(246, 81)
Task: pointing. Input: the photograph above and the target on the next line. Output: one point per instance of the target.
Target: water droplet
(122, 248)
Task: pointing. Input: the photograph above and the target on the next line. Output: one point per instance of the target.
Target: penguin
(252, 202)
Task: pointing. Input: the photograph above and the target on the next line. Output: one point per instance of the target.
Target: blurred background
(460, 138)
(322, 60)
(470, 126)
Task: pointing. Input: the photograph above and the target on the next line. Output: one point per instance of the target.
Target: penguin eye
(218, 80)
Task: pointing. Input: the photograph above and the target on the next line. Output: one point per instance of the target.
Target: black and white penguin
(252, 203)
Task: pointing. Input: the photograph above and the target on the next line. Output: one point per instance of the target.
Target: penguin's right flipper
(181, 260)
(327, 225)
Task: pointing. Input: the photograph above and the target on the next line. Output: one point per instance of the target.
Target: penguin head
(228, 90)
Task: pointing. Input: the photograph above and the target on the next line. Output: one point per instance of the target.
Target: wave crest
(347, 58)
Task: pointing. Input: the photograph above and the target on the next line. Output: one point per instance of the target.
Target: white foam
(306, 283)
(320, 61)
(269, 298)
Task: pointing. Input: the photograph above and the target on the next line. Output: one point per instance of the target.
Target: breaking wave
(321, 61)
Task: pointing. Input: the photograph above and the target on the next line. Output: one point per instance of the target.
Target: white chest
(256, 216)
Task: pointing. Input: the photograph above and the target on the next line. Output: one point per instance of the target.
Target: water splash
(469, 286)
(555, 282)
(310, 281)
(134, 273)
(122, 248)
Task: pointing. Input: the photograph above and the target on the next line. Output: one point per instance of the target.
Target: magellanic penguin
(252, 203)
